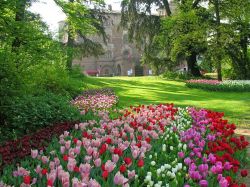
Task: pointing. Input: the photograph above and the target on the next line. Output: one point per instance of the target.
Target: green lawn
(150, 90)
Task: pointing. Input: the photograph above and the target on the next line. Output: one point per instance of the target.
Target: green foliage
(170, 75)
(81, 23)
(28, 113)
(33, 74)
(55, 79)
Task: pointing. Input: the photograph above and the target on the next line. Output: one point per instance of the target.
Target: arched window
(119, 70)
(106, 72)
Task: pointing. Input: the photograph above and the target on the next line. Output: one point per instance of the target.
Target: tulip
(34, 153)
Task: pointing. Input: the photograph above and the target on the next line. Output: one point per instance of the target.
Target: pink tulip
(38, 169)
(79, 143)
(94, 183)
(62, 149)
(89, 150)
(110, 166)
(52, 165)
(45, 159)
(135, 153)
(115, 158)
(85, 168)
(131, 174)
(77, 150)
(119, 179)
(52, 175)
(67, 144)
(98, 162)
(34, 153)
(57, 161)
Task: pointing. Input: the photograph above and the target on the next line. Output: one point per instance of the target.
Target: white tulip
(153, 163)
(158, 171)
(151, 183)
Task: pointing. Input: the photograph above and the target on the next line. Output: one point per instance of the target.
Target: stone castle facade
(121, 58)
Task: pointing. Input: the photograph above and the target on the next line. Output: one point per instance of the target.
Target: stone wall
(120, 56)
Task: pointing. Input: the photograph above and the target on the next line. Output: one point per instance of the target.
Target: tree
(230, 28)
(82, 22)
(238, 30)
(187, 30)
(143, 27)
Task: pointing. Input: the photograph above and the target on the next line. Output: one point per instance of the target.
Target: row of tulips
(156, 145)
(99, 99)
(214, 85)
(14, 150)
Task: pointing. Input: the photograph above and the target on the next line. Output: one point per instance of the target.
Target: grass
(153, 90)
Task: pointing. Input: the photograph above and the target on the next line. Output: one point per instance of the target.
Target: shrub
(176, 75)
(29, 113)
(55, 79)
(214, 85)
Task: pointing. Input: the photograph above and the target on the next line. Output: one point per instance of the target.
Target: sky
(52, 14)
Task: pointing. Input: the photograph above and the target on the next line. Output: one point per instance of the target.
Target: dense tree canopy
(217, 30)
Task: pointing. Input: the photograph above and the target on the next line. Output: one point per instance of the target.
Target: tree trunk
(20, 12)
(245, 59)
(219, 74)
(218, 37)
(167, 7)
(70, 49)
(193, 68)
(70, 45)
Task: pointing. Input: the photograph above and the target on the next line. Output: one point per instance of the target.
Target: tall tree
(237, 12)
(143, 26)
(82, 21)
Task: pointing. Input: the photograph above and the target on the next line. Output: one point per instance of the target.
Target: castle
(121, 57)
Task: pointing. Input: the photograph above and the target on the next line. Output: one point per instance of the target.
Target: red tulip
(26, 179)
(123, 168)
(244, 173)
(128, 160)
(49, 183)
(65, 157)
(76, 169)
(108, 140)
(229, 179)
(105, 174)
(148, 140)
(44, 171)
(140, 163)
(118, 151)
(75, 140)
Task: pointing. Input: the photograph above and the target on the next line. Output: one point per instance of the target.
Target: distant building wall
(120, 55)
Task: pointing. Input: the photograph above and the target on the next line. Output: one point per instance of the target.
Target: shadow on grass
(135, 91)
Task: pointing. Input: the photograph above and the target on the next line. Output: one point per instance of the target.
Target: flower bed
(156, 145)
(214, 85)
(100, 99)
(18, 149)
